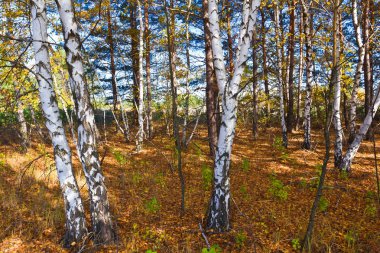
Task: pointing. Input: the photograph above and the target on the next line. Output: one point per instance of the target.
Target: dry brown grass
(32, 219)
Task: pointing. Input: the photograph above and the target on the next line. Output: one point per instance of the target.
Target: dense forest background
(189, 126)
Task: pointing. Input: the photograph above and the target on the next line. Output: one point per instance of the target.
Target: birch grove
(189, 126)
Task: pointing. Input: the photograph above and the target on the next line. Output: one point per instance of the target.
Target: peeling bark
(75, 220)
(218, 212)
(99, 205)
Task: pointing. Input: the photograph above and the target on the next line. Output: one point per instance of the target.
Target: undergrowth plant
(277, 188)
(207, 176)
(240, 239)
(213, 249)
(245, 165)
(152, 206)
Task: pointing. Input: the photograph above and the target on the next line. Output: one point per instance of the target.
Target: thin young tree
(75, 220)
(290, 79)
(308, 25)
(212, 102)
(218, 211)
(149, 118)
(280, 75)
(99, 205)
(170, 33)
(140, 106)
(358, 71)
(336, 79)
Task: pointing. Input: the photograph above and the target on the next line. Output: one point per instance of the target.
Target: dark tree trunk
(112, 57)
(170, 32)
(254, 88)
(212, 104)
(135, 58)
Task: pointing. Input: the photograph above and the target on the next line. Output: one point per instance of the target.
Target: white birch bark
(140, 109)
(358, 72)
(308, 22)
(99, 205)
(218, 213)
(360, 135)
(75, 219)
(336, 79)
(186, 116)
(279, 76)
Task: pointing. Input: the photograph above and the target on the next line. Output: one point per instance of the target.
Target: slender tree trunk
(147, 69)
(23, 128)
(265, 67)
(255, 118)
(75, 219)
(229, 37)
(300, 72)
(308, 24)
(36, 123)
(368, 85)
(99, 206)
(186, 116)
(280, 77)
(309, 231)
(140, 111)
(290, 118)
(212, 104)
(336, 79)
(170, 32)
(358, 72)
(218, 212)
(135, 59)
(112, 55)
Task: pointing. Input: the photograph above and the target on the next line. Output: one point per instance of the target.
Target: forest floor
(272, 193)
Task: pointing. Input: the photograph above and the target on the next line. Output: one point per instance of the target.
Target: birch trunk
(354, 146)
(280, 77)
(75, 219)
(308, 24)
(99, 205)
(218, 212)
(358, 72)
(336, 79)
(140, 111)
(300, 72)
(265, 67)
(290, 78)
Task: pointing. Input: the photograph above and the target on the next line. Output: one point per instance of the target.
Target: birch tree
(280, 75)
(140, 106)
(308, 24)
(218, 212)
(358, 72)
(74, 213)
(360, 135)
(336, 79)
(99, 205)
